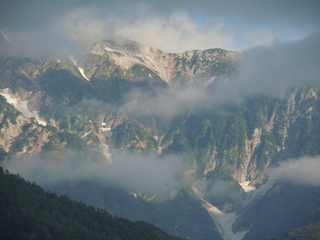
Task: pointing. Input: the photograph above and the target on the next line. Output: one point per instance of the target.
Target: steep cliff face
(245, 140)
(19, 133)
(267, 131)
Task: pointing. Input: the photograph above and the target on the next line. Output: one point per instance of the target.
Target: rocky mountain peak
(193, 65)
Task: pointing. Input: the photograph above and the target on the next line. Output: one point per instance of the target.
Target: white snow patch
(36, 116)
(79, 68)
(82, 73)
(21, 106)
(258, 193)
(135, 195)
(245, 186)
(5, 93)
(223, 221)
(106, 130)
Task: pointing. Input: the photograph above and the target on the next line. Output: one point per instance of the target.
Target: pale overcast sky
(173, 26)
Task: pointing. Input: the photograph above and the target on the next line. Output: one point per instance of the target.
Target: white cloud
(166, 104)
(138, 173)
(176, 33)
(171, 26)
(81, 24)
(263, 70)
(221, 190)
(305, 170)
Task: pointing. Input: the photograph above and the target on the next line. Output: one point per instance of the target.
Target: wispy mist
(136, 173)
(222, 191)
(262, 70)
(304, 170)
(166, 104)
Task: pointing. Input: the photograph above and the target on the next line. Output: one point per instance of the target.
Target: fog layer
(136, 173)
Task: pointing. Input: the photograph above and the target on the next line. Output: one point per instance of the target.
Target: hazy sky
(173, 26)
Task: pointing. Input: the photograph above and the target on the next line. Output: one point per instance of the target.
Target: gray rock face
(194, 65)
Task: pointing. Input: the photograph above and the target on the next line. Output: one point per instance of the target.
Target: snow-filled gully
(21, 105)
(79, 68)
(224, 221)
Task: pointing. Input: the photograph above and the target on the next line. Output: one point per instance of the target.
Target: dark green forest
(29, 212)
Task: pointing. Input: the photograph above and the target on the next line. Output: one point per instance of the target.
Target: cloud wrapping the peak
(262, 70)
(280, 65)
(173, 26)
(177, 33)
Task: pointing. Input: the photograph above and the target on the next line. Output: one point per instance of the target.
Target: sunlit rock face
(191, 66)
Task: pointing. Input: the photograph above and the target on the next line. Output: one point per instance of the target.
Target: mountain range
(182, 140)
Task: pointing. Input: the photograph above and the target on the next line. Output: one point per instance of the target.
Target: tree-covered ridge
(28, 212)
(131, 135)
(310, 232)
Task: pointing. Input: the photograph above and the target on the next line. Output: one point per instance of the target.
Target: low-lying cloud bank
(136, 173)
(304, 170)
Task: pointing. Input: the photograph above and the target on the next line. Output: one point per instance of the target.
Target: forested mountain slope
(29, 212)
